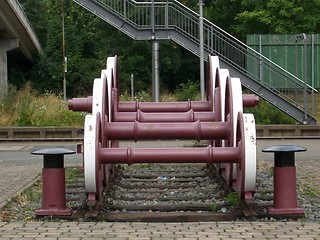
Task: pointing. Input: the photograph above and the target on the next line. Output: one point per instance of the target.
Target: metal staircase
(169, 19)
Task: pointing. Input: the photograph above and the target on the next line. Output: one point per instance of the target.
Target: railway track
(171, 193)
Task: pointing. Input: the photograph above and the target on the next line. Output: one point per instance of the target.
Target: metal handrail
(171, 14)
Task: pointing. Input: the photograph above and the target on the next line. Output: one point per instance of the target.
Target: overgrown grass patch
(28, 108)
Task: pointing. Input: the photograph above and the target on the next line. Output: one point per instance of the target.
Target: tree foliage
(278, 16)
(89, 41)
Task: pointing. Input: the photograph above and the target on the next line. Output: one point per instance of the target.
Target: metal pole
(261, 60)
(302, 36)
(132, 88)
(166, 15)
(202, 90)
(155, 59)
(312, 74)
(296, 66)
(64, 56)
(155, 47)
(305, 78)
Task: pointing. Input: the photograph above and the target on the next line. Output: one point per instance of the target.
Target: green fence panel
(284, 50)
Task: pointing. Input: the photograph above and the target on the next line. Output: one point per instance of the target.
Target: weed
(140, 97)
(72, 174)
(233, 199)
(308, 191)
(213, 207)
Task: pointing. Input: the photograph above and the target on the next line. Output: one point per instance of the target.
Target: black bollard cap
(53, 157)
(284, 148)
(284, 154)
(53, 151)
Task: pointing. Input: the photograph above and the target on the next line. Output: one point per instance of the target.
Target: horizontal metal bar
(140, 116)
(146, 131)
(168, 155)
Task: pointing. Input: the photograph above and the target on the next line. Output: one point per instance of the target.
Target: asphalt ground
(19, 169)
(18, 153)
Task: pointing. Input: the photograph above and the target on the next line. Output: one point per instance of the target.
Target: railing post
(132, 88)
(152, 22)
(125, 9)
(261, 59)
(305, 78)
(166, 15)
(201, 50)
(312, 74)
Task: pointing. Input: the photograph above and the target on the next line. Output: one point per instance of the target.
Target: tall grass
(27, 108)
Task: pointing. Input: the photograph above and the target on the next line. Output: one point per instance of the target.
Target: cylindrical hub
(81, 104)
(250, 100)
(168, 155)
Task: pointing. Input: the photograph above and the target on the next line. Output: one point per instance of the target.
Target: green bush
(187, 91)
(265, 113)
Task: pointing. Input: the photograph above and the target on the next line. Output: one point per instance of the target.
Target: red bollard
(285, 192)
(53, 182)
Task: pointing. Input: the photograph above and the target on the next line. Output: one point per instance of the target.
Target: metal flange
(232, 107)
(90, 151)
(213, 68)
(246, 142)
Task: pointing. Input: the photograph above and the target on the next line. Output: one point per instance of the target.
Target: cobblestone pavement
(308, 174)
(14, 179)
(161, 231)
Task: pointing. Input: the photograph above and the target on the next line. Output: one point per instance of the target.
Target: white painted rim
(89, 153)
(97, 96)
(214, 67)
(109, 90)
(237, 107)
(250, 152)
(223, 75)
(112, 65)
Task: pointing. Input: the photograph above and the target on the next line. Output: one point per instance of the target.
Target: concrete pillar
(5, 46)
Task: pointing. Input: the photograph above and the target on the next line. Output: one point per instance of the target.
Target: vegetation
(233, 199)
(89, 41)
(265, 113)
(26, 108)
(23, 205)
